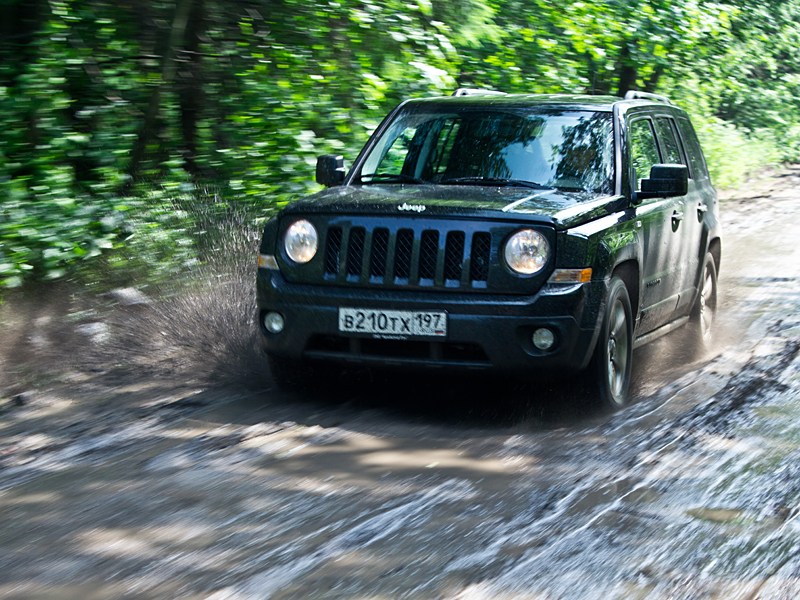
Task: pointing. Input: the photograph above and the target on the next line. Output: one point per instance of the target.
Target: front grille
(404, 256)
(451, 255)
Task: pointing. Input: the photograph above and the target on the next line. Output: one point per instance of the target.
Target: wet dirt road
(164, 487)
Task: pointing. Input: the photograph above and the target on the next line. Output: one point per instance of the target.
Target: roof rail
(637, 95)
(476, 92)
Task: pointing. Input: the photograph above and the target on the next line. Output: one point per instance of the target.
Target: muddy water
(168, 486)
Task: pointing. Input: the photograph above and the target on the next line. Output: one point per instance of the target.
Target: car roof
(548, 101)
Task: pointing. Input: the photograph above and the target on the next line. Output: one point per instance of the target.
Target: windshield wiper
(391, 178)
(572, 188)
(477, 180)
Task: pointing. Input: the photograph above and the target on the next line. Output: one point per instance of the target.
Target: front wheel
(612, 360)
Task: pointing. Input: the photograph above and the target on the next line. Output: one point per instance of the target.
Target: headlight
(527, 252)
(300, 241)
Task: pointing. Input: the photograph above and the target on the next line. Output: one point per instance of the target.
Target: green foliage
(116, 118)
(733, 156)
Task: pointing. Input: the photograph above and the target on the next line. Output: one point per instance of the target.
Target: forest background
(133, 132)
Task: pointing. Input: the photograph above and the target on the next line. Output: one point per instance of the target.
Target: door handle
(702, 207)
(677, 217)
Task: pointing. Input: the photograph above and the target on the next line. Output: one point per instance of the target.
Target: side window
(670, 147)
(697, 164)
(644, 152)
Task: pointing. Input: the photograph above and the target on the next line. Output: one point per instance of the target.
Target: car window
(697, 164)
(395, 155)
(670, 147)
(570, 150)
(644, 152)
(442, 148)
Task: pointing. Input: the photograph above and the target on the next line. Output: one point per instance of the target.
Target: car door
(689, 220)
(702, 193)
(658, 220)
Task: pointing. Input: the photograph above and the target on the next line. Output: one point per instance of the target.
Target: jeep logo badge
(417, 208)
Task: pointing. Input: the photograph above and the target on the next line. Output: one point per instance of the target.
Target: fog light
(543, 339)
(274, 322)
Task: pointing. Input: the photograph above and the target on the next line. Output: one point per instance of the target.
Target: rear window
(670, 146)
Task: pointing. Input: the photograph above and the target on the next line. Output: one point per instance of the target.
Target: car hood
(560, 208)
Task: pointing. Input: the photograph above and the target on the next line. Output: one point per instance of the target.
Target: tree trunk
(190, 85)
(627, 71)
(652, 82)
(177, 34)
(20, 21)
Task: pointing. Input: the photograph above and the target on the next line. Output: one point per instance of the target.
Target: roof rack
(476, 92)
(637, 95)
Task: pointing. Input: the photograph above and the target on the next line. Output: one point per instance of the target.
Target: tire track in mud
(387, 520)
(89, 438)
(700, 447)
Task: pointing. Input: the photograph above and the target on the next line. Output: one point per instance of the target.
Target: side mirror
(666, 181)
(330, 170)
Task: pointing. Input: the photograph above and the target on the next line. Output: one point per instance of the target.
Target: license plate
(393, 323)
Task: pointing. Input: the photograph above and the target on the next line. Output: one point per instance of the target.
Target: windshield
(571, 150)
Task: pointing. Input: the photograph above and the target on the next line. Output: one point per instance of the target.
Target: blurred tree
(604, 47)
(126, 125)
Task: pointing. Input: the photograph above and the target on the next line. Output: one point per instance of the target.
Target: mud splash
(199, 327)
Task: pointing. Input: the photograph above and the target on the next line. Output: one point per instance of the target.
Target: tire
(612, 360)
(704, 311)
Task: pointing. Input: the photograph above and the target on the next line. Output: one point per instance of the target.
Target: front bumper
(483, 332)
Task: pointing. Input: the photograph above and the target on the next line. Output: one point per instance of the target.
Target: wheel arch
(715, 248)
(630, 274)
(628, 271)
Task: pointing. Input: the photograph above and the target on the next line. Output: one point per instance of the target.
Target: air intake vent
(355, 251)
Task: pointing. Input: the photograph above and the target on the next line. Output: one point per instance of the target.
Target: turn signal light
(571, 276)
(267, 261)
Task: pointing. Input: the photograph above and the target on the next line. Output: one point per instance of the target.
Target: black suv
(483, 231)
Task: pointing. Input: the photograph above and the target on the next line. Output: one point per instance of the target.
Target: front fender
(602, 244)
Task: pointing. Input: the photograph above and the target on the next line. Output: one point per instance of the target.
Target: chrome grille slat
(454, 255)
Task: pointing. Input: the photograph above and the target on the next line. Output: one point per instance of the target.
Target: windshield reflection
(567, 150)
